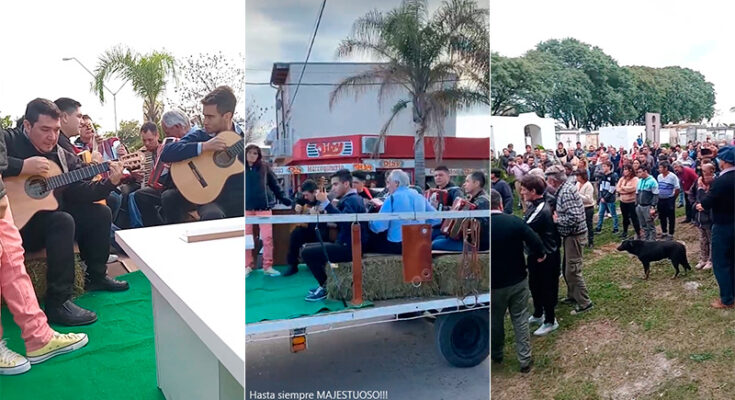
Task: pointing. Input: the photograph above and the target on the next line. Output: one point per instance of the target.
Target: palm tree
(424, 56)
(147, 73)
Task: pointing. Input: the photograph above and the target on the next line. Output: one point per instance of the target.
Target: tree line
(582, 87)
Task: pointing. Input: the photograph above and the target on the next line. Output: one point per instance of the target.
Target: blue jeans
(723, 260)
(444, 243)
(136, 221)
(611, 208)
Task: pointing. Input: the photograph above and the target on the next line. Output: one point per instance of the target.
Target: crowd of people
(56, 138)
(349, 194)
(558, 193)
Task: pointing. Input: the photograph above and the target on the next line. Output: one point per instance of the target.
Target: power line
(308, 53)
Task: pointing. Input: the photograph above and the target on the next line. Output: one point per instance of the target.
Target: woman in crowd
(587, 193)
(258, 179)
(703, 219)
(626, 189)
(543, 276)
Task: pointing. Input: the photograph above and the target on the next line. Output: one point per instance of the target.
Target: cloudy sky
(36, 35)
(280, 31)
(654, 33)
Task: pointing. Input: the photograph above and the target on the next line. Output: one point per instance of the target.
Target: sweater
(587, 193)
(508, 234)
(626, 189)
(646, 192)
(607, 187)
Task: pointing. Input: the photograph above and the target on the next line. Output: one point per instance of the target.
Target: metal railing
(364, 217)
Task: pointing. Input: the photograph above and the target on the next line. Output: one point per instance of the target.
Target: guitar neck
(236, 149)
(77, 175)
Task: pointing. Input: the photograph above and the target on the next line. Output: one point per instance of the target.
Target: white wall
(506, 130)
(312, 117)
(621, 135)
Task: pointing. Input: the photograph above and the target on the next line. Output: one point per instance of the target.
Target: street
(398, 357)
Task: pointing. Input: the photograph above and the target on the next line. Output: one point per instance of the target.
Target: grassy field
(655, 339)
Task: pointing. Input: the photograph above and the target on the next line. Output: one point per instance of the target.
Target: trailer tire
(463, 338)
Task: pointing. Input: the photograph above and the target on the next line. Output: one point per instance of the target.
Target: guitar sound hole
(222, 159)
(36, 187)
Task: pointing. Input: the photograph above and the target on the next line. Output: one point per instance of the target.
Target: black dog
(651, 250)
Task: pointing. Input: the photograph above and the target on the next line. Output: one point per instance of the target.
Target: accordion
(153, 180)
(452, 227)
(440, 197)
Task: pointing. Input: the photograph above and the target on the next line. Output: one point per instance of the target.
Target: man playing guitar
(30, 151)
(306, 203)
(218, 110)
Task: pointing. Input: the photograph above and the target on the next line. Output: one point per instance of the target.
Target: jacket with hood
(259, 178)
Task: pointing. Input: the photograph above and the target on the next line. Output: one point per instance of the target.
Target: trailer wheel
(463, 338)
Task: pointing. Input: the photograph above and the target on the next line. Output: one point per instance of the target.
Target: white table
(198, 295)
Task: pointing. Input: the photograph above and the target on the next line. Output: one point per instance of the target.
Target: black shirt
(508, 234)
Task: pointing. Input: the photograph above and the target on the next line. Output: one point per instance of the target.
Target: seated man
(358, 182)
(41, 342)
(400, 199)
(474, 186)
(305, 203)
(341, 250)
(144, 204)
(219, 107)
(443, 182)
(30, 152)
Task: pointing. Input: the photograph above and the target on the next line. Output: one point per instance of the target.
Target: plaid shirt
(570, 211)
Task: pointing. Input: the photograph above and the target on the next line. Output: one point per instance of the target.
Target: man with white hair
(571, 223)
(400, 199)
(175, 124)
(145, 203)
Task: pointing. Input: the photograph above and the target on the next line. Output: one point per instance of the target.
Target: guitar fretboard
(236, 149)
(77, 175)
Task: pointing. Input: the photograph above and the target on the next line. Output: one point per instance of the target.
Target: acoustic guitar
(201, 179)
(29, 194)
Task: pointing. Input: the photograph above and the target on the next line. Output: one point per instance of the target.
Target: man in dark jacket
(474, 187)
(306, 203)
(33, 150)
(508, 284)
(543, 277)
(607, 182)
(218, 108)
(71, 122)
(443, 181)
(341, 250)
(721, 200)
(503, 188)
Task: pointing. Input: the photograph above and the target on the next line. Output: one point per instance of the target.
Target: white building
(524, 129)
(308, 115)
(622, 136)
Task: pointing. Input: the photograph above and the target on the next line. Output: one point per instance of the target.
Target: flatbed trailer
(461, 325)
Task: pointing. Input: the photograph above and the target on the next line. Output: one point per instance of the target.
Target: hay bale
(382, 279)
(36, 268)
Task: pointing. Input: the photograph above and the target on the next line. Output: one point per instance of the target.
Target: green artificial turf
(118, 363)
(274, 298)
